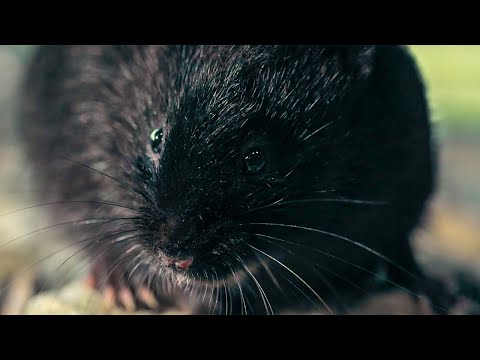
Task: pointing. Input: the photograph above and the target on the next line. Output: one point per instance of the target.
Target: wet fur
(97, 105)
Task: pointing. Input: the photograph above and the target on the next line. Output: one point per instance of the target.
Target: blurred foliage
(22, 51)
(452, 74)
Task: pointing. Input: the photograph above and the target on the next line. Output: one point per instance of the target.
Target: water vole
(243, 179)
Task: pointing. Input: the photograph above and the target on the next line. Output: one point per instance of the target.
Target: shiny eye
(156, 138)
(254, 161)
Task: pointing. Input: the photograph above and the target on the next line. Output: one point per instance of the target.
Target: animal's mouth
(188, 270)
(180, 264)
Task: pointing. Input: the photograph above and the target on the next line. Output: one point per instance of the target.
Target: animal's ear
(398, 82)
(398, 88)
(396, 117)
(391, 121)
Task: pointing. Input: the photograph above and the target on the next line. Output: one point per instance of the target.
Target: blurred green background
(452, 75)
(450, 239)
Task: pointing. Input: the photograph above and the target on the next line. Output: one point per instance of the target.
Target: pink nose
(184, 264)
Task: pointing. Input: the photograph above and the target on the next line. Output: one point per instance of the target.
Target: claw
(126, 299)
(109, 296)
(116, 293)
(91, 281)
(424, 307)
(146, 296)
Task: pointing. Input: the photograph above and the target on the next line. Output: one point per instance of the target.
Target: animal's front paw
(116, 290)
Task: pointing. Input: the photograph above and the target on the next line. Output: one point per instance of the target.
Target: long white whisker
(206, 287)
(260, 289)
(301, 291)
(231, 300)
(76, 222)
(280, 203)
(269, 271)
(217, 289)
(332, 290)
(342, 278)
(136, 266)
(294, 274)
(98, 202)
(316, 131)
(211, 296)
(356, 243)
(226, 298)
(266, 206)
(317, 265)
(244, 310)
(339, 259)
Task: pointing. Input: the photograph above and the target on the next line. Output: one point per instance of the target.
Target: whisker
(85, 222)
(68, 202)
(341, 277)
(123, 183)
(150, 72)
(339, 200)
(318, 265)
(76, 253)
(264, 264)
(32, 265)
(294, 167)
(333, 290)
(118, 242)
(117, 235)
(151, 279)
(264, 207)
(231, 300)
(226, 299)
(370, 250)
(339, 259)
(211, 296)
(244, 309)
(216, 288)
(260, 289)
(253, 192)
(355, 201)
(191, 290)
(249, 305)
(146, 276)
(122, 242)
(301, 291)
(316, 131)
(206, 287)
(135, 258)
(279, 203)
(294, 274)
(104, 281)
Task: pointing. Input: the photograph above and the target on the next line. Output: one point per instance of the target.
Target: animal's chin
(211, 275)
(193, 278)
(215, 265)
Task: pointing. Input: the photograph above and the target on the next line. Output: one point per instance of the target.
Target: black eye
(254, 161)
(156, 138)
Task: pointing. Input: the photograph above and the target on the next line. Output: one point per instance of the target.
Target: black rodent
(252, 178)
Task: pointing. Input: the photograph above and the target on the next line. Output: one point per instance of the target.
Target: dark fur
(97, 105)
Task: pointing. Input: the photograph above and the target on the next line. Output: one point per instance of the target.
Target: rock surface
(76, 299)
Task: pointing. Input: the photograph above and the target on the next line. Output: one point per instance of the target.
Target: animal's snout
(179, 264)
(183, 264)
